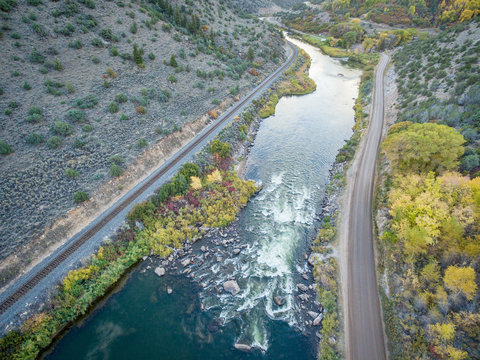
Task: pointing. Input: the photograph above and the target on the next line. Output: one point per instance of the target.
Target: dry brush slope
(54, 53)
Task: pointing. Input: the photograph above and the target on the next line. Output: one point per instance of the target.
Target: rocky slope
(78, 104)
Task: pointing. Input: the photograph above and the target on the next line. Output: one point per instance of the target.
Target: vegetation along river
(293, 152)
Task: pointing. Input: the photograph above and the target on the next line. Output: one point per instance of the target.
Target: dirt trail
(363, 317)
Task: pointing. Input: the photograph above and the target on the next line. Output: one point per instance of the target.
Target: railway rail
(67, 252)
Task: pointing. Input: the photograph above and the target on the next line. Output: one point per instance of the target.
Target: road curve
(111, 219)
(364, 333)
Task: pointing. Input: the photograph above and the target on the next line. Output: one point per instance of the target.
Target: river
(293, 152)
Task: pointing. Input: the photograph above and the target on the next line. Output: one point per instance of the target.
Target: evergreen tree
(137, 55)
(173, 61)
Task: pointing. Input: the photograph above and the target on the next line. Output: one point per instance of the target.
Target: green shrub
(68, 29)
(54, 142)
(117, 160)
(76, 115)
(107, 34)
(36, 57)
(97, 42)
(133, 28)
(96, 60)
(88, 102)
(87, 128)
(57, 65)
(172, 78)
(5, 149)
(7, 5)
(39, 30)
(121, 98)
(35, 139)
(151, 56)
(173, 61)
(62, 128)
(113, 51)
(113, 107)
(70, 88)
(123, 117)
(115, 170)
(75, 44)
(80, 196)
(34, 118)
(142, 143)
(470, 162)
(13, 105)
(71, 173)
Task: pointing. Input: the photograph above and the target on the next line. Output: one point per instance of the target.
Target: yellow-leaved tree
(461, 280)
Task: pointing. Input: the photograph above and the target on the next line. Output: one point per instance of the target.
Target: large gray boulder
(231, 286)
(160, 271)
(242, 347)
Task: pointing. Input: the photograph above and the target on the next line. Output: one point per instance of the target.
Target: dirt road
(364, 334)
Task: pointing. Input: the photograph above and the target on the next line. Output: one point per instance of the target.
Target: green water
(293, 152)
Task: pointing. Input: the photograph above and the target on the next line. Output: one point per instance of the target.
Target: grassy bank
(295, 81)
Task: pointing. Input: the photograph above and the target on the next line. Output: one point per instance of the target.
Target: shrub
(133, 28)
(126, 56)
(87, 128)
(117, 160)
(142, 143)
(71, 173)
(121, 98)
(115, 170)
(470, 162)
(5, 149)
(57, 65)
(39, 30)
(76, 44)
(151, 56)
(107, 34)
(34, 118)
(173, 61)
(97, 42)
(68, 29)
(88, 102)
(113, 107)
(172, 78)
(70, 88)
(62, 128)
(80, 196)
(112, 50)
(54, 142)
(123, 117)
(141, 110)
(111, 73)
(35, 139)
(36, 57)
(76, 115)
(137, 55)
(96, 60)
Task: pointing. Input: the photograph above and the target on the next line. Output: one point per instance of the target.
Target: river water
(293, 151)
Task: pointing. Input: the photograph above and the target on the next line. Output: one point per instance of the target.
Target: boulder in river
(186, 262)
(302, 287)
(160, 271)
(231, 286)
(304, 297)
(169, 290)
(242, 347)
(318, 320)
(279, 300)
(313, 314)
(236, 251)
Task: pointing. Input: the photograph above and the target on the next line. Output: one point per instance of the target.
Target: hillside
(419, 13)
(87, 86)
(428, 204)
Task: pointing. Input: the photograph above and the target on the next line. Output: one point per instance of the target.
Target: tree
(173, 61)
(461, 280)
(250, 54)
(137, 56)
(423, 147)
(219, 148)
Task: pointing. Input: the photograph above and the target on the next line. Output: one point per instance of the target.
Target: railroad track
(65, 254)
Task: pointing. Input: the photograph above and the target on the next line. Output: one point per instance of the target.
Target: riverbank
(82, 286)
(325, 255)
